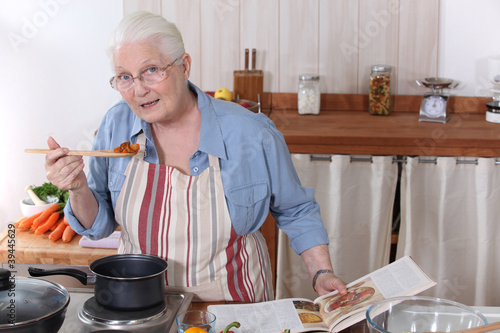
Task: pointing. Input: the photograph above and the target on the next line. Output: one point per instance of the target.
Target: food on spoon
(126, 147)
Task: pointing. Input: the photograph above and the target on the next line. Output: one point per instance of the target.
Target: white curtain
(450, 214)
(356, 196)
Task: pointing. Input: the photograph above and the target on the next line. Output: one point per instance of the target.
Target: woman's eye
(124, 77)
(151, 70)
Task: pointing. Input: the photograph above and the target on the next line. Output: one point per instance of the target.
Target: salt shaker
(379, 96)
(309, 95)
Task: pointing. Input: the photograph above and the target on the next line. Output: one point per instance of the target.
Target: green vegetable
(233, 324)
(49, 190)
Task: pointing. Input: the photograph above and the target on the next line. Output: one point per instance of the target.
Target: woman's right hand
(62, 170)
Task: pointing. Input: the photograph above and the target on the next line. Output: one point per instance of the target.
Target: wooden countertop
(38, 249)
(345, 127)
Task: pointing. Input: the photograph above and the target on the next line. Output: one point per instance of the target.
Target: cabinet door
(356, 200)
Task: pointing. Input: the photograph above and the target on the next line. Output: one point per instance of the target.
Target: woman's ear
(186, 63)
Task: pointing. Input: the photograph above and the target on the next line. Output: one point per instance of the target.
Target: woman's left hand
(328, 282)
(318, 258)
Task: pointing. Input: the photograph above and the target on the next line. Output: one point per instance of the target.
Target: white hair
(148, 27)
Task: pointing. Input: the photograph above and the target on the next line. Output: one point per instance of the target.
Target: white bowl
(28, 208)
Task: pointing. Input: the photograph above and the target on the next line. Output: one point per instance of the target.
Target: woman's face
(163, 101)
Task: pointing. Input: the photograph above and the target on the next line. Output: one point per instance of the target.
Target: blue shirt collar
(211, 141)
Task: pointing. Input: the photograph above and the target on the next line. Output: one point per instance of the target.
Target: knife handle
(254, 56)
(247, 53)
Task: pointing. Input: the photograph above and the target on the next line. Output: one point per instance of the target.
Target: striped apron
(184, 219)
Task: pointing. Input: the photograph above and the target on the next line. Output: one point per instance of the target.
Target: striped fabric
(185, 220)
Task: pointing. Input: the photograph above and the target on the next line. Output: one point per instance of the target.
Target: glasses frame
(112, 80)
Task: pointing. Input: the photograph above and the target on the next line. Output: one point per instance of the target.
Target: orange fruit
(195, 330)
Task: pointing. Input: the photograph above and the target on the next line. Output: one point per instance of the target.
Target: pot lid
(25, 300)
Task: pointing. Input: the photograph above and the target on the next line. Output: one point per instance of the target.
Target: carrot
(56, 234)
(28, 221)
(42, 228)
(56, 224)
(45, 215)
(65, 221)
(68, 234)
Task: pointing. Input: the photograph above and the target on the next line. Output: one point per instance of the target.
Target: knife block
(248, 84)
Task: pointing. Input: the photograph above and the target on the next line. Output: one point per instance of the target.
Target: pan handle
(84, 278)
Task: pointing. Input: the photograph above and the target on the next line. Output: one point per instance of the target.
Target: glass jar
(309, 95)
(379, 95)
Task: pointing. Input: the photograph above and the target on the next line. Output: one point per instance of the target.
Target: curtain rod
(394, 160)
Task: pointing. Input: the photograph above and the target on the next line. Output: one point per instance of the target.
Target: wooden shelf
(340, 130)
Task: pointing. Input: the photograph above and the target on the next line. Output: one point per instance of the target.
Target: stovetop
(77, 321)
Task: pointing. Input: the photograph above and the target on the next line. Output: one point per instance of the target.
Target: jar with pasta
(379, 96)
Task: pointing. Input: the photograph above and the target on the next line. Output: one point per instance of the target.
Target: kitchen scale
(434, 103)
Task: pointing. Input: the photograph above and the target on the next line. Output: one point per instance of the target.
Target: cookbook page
(298, 315)
(401, 278)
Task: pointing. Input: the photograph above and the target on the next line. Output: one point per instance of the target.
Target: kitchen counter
(38, 249)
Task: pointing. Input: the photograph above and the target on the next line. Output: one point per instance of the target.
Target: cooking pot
(31, 305)
(122, 281)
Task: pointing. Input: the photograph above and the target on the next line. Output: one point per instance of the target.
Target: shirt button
(195, 169)
(111, 183)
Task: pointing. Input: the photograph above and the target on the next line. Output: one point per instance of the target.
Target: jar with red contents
(379, 95)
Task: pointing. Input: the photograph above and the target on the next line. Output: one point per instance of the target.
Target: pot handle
(83, 277)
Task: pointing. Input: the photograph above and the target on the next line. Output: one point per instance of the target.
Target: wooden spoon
(98, 153)
(478, 329)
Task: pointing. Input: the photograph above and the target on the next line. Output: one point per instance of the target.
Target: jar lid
(381, 68)
(309, 77)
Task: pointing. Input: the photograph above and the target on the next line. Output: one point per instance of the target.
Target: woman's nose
(140, 89)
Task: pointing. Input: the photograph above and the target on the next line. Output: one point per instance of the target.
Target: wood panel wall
(337, 39)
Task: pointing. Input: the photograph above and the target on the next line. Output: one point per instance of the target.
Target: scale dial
(434, 106)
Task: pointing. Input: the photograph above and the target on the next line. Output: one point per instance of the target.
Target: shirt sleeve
(293, 206)
(104, 223)
(97, 179)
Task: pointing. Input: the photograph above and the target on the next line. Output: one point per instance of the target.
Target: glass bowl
(421, 314)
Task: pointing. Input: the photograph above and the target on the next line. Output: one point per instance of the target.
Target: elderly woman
(201, 186)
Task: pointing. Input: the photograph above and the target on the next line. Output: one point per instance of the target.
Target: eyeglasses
(149, 76)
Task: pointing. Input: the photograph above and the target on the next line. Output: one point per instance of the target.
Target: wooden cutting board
(248, 83)
(26, 247)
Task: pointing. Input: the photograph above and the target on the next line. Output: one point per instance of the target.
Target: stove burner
(93, 312)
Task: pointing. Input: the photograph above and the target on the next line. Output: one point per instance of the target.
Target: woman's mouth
(149, 104)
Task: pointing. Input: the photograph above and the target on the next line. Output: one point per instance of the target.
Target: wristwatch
(318, 273)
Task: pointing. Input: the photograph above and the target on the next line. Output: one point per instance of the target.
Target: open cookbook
(329, 313)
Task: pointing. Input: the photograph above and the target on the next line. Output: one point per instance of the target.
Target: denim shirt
(256, 169)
